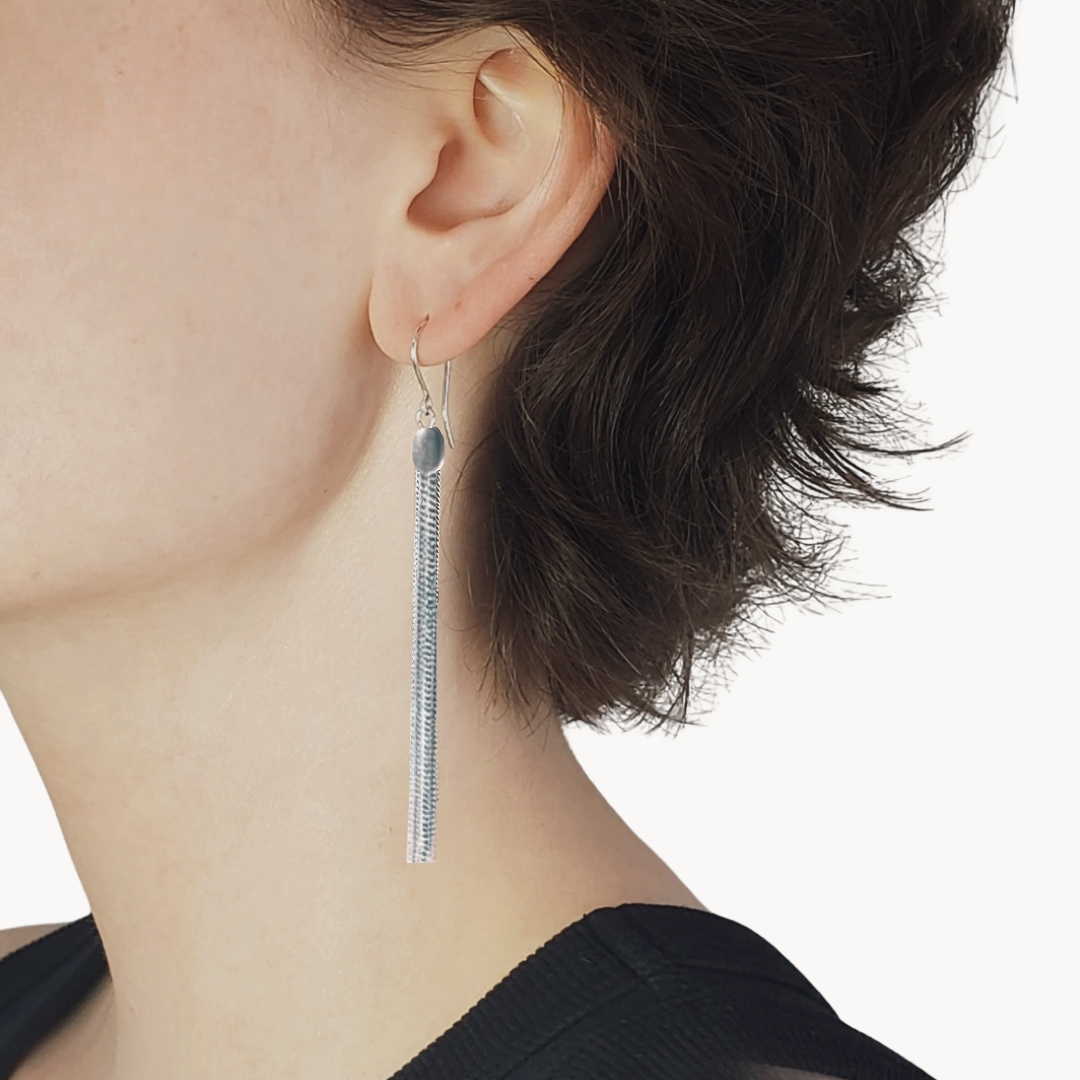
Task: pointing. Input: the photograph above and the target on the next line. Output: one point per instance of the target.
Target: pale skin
(215, 247)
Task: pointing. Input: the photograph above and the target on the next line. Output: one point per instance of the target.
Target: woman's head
(667, 419)
(220, 217)
(209, 243)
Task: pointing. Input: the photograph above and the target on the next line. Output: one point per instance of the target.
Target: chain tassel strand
(423, 774)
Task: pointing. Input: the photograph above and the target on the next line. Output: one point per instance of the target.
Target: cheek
(183, 363)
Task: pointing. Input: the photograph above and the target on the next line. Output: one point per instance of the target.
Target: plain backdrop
(887, 791)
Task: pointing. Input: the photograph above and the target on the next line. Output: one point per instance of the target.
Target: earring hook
(427, 409)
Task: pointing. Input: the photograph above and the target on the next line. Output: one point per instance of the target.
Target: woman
(659, 243)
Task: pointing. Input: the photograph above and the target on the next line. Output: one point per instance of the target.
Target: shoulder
(18, 936)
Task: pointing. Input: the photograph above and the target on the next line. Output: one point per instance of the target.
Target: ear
(510, 167)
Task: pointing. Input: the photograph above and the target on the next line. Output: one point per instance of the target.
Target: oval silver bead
(428, 450)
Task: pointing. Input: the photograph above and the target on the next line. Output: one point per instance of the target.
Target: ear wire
(427, 409)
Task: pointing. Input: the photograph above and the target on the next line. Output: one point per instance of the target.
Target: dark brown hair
(666, 424)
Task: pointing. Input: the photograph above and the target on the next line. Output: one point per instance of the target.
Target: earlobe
(516, 180)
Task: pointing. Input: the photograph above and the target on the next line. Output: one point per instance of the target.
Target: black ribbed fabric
(42, 982)
(634, 992)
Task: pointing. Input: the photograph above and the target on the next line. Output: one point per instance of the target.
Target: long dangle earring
(428, 454)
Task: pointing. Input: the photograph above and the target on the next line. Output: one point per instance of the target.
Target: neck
(228, 759)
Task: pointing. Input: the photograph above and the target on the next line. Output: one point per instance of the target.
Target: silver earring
(428, 454)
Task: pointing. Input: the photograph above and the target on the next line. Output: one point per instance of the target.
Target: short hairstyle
(666, 426)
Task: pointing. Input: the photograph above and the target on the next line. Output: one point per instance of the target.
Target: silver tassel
(428, 453)
(423, 775)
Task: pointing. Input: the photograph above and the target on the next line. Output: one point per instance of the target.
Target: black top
(634, 992)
